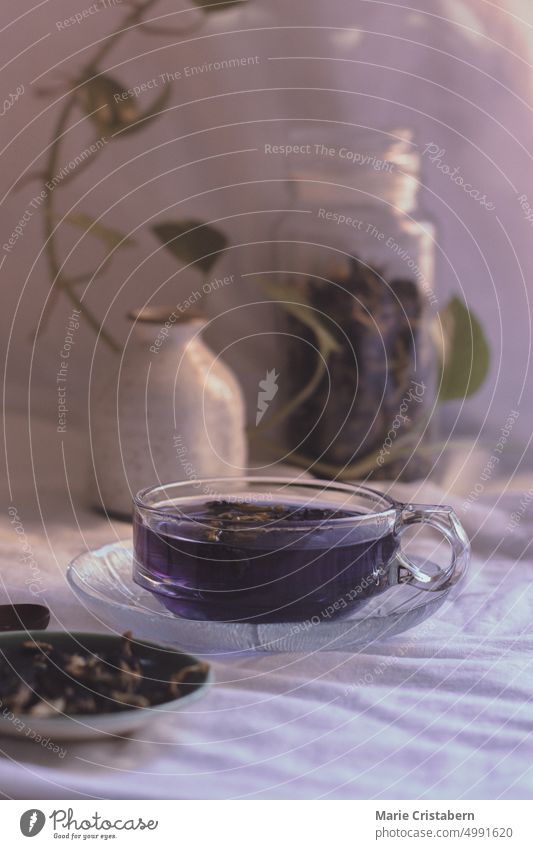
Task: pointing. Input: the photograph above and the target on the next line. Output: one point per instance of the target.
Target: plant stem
(59, 281)
(294, 403)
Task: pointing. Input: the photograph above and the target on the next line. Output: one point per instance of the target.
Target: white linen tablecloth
(442, 711)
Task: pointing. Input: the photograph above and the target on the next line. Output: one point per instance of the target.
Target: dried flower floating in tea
(222, 519)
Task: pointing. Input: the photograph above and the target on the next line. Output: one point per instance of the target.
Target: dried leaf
(179, 678)
(85, 682)
(131, 699)
(75, 665)
(44, 710)
(21, 698)
(192, 241)
(30, 645)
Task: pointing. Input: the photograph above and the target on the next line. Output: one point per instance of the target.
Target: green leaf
(464, 352)
(108, 235)
(207, 5)
(192, 241)
(102, 98)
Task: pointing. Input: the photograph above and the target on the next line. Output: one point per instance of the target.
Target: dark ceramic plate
(158, 662)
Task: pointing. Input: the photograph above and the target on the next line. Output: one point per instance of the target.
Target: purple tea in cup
(272, 550)
(258, 562)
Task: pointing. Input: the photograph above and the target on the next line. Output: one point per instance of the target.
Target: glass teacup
(272, 549)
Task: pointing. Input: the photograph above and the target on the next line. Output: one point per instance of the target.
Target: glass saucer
(102, 580)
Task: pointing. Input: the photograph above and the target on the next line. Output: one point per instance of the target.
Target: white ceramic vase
(173, 412)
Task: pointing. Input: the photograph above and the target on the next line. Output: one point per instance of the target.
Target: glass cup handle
(445, 520)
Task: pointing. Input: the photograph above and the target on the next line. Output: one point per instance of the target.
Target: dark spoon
(24, 617)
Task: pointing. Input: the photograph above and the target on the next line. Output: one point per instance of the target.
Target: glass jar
(357, 251)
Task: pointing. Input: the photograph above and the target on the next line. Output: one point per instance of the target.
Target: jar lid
(326, 160)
